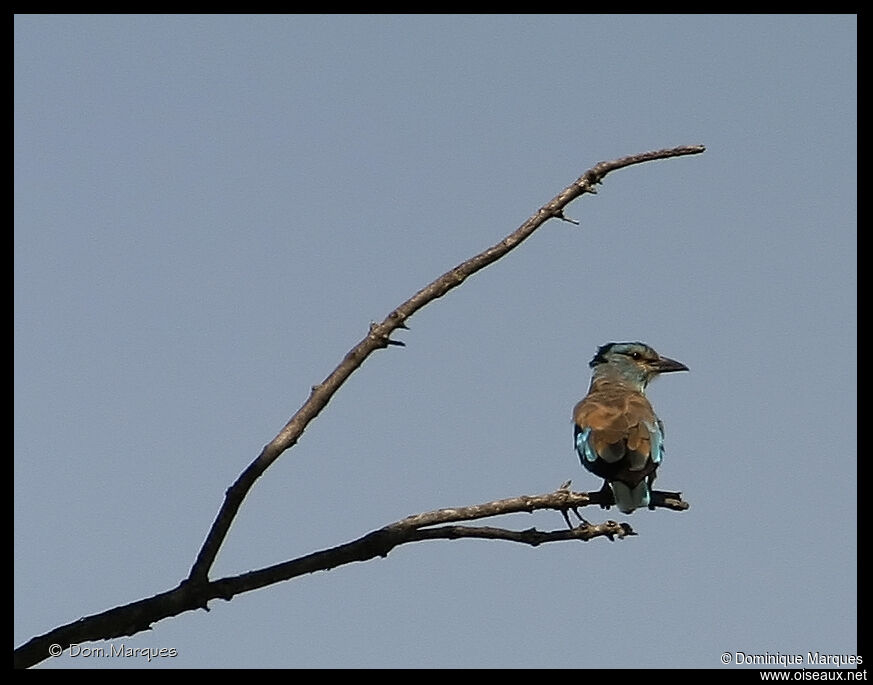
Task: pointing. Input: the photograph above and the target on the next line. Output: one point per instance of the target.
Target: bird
(617, 434)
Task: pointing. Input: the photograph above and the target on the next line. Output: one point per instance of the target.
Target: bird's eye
(636, 355)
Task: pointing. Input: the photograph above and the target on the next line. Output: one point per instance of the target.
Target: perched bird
(618, 436)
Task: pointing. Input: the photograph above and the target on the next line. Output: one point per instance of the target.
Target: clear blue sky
(209, 210)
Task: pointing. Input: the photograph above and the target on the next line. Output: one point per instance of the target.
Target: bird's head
(632, 362)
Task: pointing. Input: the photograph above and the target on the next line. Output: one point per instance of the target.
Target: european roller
(618, 436)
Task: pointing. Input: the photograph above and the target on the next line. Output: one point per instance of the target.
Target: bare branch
(196, 590)
(433, 525)
(378, 337)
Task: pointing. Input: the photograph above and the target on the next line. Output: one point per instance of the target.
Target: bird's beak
(665, 365)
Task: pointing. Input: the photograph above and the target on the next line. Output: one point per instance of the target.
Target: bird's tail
(629, 498)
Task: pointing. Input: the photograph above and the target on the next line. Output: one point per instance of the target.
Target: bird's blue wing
(583, 446)
(656, 431)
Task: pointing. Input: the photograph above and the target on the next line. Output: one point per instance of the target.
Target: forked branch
(433, 525)
(379, 334)
(196, 590)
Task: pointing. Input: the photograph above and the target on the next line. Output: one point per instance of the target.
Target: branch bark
(433, 525)
(196, 590)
